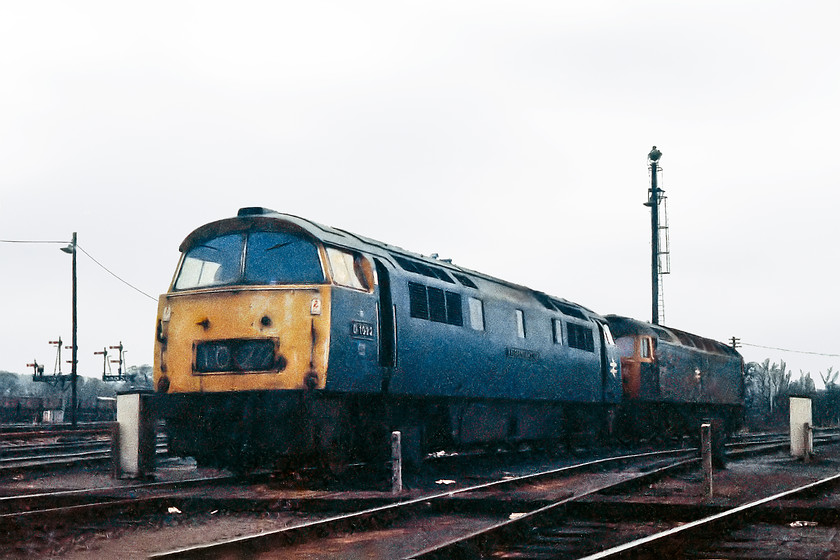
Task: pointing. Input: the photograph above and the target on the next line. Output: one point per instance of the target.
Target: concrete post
(706, 454)
(136, 435)
(396, 463)
(801, 441)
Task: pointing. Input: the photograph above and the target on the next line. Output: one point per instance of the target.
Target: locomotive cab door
(636, 356)
(387, 325)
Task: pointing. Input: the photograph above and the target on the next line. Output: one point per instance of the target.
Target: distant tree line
(768, 388)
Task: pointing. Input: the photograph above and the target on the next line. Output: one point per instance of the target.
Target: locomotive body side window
(476, 314)
(557, 330)
(520, 323)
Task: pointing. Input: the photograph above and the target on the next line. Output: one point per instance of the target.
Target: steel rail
(41, 503)
(44, 431)
(297, 534)
(51, 460)
(735, 515)
(467, 546)
(33, 450)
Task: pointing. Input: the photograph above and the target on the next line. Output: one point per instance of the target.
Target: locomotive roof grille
(465, 280)
(422, 268)
(556, 305)
(566, 309)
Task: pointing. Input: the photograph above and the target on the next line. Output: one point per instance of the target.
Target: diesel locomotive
(281, 341)
(673, 380)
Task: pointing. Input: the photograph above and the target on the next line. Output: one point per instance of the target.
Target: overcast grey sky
(509, 136)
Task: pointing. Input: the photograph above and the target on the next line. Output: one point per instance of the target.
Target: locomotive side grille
(434, 304)
(437, 305)
(454, 315)
(580, 337)
(418, 304)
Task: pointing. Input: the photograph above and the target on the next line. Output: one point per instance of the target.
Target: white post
(396, 463)
(706, 453)
(135, 438)
(801, 443)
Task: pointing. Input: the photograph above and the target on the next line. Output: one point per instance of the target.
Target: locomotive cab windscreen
(251, 258)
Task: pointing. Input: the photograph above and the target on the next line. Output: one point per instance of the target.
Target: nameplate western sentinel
(521, 354)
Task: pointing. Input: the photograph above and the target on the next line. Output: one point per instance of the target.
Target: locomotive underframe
(664, 420)
(294, 428)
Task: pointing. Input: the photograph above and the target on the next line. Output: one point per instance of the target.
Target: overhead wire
(788, 350)
(30, 241)
(102, 266)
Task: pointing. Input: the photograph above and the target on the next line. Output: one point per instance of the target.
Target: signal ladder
(664, 255)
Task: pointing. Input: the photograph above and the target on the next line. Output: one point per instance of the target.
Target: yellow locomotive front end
(241, 335)
(249, 339)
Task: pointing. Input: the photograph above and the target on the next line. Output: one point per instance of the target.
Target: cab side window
(646, 347)
(347, 269)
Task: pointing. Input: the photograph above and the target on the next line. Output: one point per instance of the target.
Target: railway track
(717, 534)
(521, 517)
(25, 517)
(452, 512)
(376, 524)
(39, 448)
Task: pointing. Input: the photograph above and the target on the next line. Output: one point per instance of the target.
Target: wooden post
(396, 463)
(808, 444)
(115, 451)
(706, 453)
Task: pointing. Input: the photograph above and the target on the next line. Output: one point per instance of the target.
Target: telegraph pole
(75, 346)
(653, 202)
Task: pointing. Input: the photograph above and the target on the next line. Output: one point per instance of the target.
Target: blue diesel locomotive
(284, 340)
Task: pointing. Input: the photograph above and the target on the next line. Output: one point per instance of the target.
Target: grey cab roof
(263, 218)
